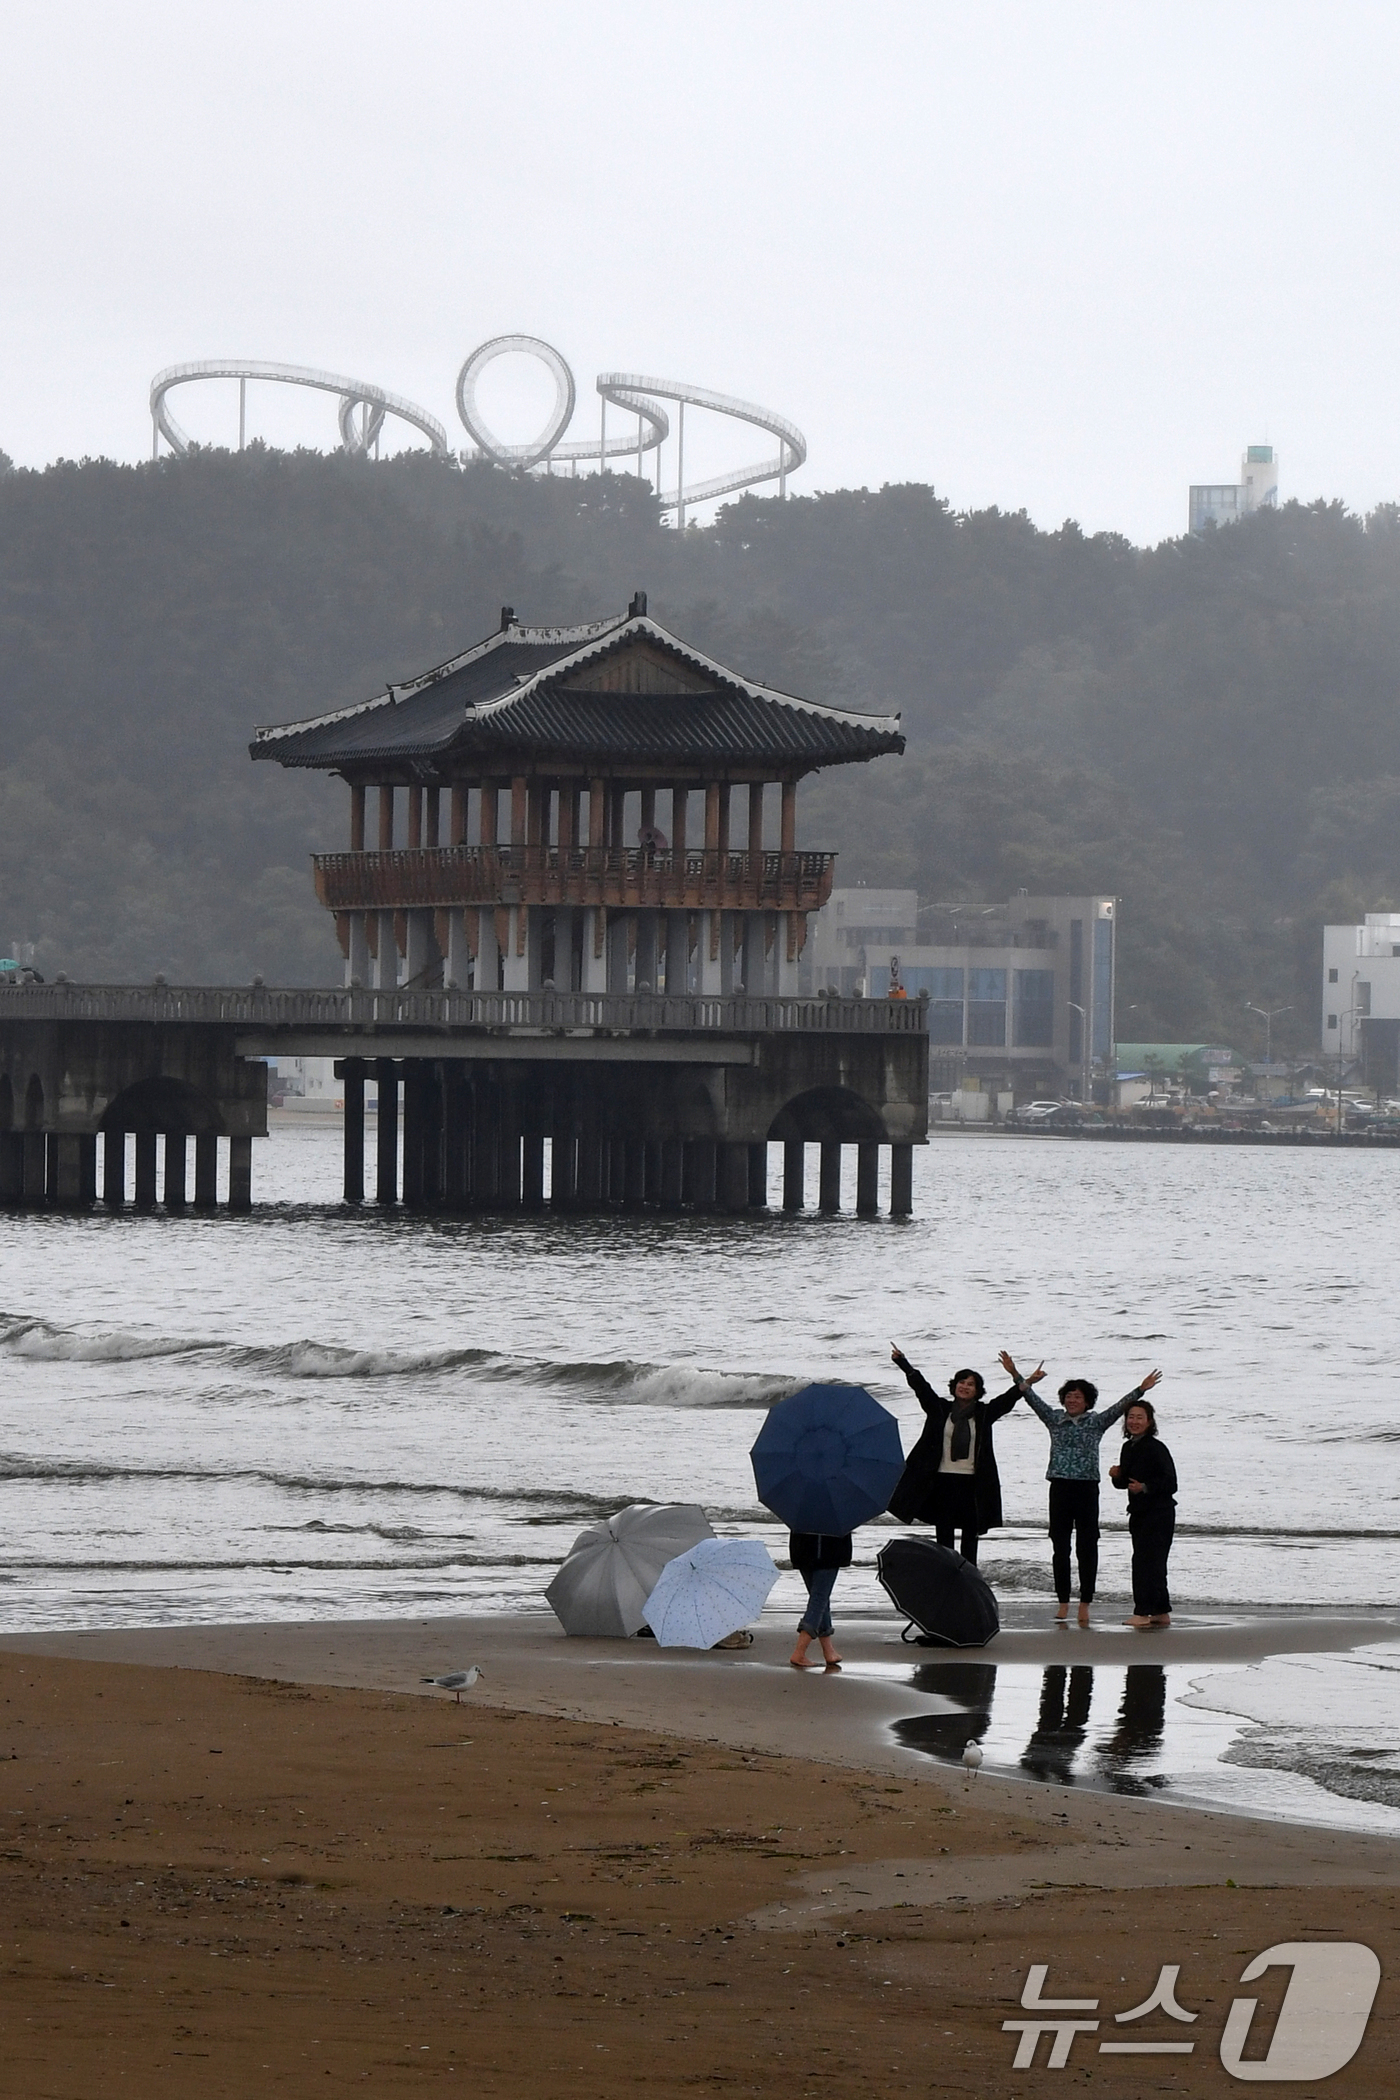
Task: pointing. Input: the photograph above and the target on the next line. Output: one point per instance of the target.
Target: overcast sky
(1063, 257)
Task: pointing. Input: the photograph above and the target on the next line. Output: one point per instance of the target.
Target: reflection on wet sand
(1055, 1752)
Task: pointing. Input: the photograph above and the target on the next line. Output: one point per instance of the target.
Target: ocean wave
(620, 1380)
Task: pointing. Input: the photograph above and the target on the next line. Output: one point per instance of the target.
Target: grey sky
(1069, 257)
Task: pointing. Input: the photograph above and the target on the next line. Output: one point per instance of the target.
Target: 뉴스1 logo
(1319, 2029)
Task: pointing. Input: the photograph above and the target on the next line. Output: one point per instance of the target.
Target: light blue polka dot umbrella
(709, 1591)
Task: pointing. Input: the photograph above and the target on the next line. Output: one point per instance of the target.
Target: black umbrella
(940, 1591)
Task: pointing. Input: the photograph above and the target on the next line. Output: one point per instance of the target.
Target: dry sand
(248, 1859)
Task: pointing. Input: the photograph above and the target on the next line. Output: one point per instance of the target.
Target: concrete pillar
(206, 1170)
(114, 1168)
(386, 1163)
(457, 966)
(145, 1170)
(358, 961)
(87, 1168)
(488, 954)
(486, 1133)
(414, 1130)
(617, 1170)
(830, 1196)
(677, 954)
(619, 927)
(634, 1177)
(240, 1173)
(67, 1185)
(867, 1180)
(353, 1085)
(701, 1165)
(590, 1164)
(733, 1176)
(35, 1171)
(387, 962)
(710, 974)
(11, 1166)
(532, 1170)
(755, 962)
(563, 1163)
(50, 1166)
(595, 965)
(672, 1173)
(901, 1181)
(177, 1163)
(654, 1154)
(422, 948)
(758, 1177)
(646, 961)
(794, 1174)
(456, 1143)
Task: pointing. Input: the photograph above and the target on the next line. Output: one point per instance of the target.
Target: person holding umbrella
(950, 1479)
(1076, 1431)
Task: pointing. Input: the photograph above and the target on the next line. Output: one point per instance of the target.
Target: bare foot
(1083, 1614)
(1062, 1610)
(798, 1657)
(829, 1654)
(1161, 1618)
(1137, 1621)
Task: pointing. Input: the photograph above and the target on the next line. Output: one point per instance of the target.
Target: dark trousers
(1074, 1515)
(954, 1510)
(1151, 1530)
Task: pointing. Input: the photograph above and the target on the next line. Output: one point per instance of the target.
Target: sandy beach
(256, 1857)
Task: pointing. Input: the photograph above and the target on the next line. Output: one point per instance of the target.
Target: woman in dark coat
(950, 1478)
(1147, 1476)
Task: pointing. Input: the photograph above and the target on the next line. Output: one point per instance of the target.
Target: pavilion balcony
(620, 878)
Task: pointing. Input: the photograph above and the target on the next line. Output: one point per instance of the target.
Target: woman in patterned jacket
(1076, 1431)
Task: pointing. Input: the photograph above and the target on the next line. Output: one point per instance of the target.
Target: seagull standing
(972, 1758)
(457, 1681)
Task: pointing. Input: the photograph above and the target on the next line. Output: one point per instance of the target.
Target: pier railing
(540, 1013)
(625, 878)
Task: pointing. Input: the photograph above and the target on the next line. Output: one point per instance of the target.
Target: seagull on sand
(972, 1758)
(457, 1681)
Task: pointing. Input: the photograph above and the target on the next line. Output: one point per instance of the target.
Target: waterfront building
(1361, 998)
(1020, 996)
(1225, 502)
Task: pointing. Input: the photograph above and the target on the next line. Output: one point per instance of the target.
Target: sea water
(312, 1411)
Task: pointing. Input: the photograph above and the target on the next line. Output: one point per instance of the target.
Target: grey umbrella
(613, 1567)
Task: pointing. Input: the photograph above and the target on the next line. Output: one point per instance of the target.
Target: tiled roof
(516, 692)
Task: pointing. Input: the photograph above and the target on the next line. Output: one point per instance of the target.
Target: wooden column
(206, 1170)
(597, 813)
(755, 827)
(758, 1177)
(519, 811)
(431, 816)
(386, 1164)
(568, 817)
(679, 798)
(386, 820)
(901, 1180)
(240, 1173)
(357, 818)
(794, 1174)
(867, 1180)
(722, 839)
(829, 1198)
(145, 1170)
(789, 826)
(353, 1086)
(176, 1170)
(712, 817)
(114, 1168)
(415, 816)
(457, 819)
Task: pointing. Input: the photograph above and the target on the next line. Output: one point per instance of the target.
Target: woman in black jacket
(1147, 1476)
(950, 1478)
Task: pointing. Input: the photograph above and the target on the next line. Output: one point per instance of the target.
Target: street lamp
(1268, 1013)
(1083, 1052)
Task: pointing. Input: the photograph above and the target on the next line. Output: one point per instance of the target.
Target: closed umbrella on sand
(612, 1568)
(941, 1592)
(710, 1591)
(827, 1458)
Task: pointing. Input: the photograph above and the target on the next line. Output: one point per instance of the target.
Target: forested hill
(1208, 728)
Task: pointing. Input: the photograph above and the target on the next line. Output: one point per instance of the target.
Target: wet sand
(265, 1858)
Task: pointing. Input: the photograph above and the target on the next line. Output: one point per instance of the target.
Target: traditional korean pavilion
(556, 809)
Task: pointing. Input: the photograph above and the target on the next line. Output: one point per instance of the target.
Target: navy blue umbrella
(827, 1459)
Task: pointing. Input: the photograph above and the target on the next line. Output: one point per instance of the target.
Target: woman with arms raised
(1076, 1431)
(950, 1479)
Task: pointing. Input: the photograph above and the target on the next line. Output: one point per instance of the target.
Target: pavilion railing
(619, 877)
(543, 1013)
